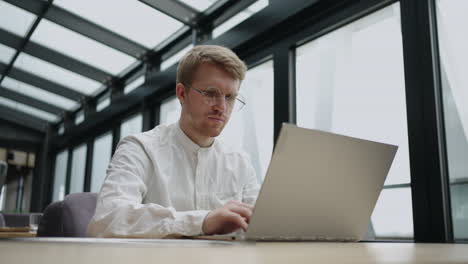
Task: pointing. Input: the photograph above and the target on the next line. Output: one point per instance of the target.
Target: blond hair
(218, 55)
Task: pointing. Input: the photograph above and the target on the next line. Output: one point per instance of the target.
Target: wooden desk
(9, 232)
(41, 250)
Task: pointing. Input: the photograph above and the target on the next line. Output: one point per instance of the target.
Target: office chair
(68, 218)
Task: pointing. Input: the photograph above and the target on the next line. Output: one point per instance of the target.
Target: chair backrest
(2, 220)
(70, 217)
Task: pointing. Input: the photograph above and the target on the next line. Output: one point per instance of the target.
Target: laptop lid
(320, 186)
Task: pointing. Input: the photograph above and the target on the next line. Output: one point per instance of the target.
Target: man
(179, 179)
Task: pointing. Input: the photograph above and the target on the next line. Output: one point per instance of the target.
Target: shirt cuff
(194, 220)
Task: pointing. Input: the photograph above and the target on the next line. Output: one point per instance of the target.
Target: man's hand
(227, 219)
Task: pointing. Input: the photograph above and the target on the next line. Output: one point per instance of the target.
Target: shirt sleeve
(119, 209)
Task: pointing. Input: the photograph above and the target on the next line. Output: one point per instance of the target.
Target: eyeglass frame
(204, 93)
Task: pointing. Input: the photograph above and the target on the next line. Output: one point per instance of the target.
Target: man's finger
(239, 220)
(242, 211)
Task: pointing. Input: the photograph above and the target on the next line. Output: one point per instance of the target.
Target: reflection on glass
(170, 111)
(6, 54)
(199, 5)
(252, 128)
(14, 19)
(351, 82)
(175, 58)
(131, 126)
(453, 40)
(134, 84)
(103, 104)
(78, 169)
(39, 94)
(60, 175)
(80, 117)
(80, 47)
(101, 158)
(61, 129)
(28, 110)
(239, 18)
(56, 74)
(128, 18)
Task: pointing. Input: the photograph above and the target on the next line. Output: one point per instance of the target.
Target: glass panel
(170, 111)
(78, 169)
(56, 74)
(239, 18)
(393, 215)
(103, 104)
(351, 82)
(79, 118)
(199, 5)
(134, 84)
(101, 158)
(28, 110)
(14, 19)
(175, 58)
(60, 175)
(453, 40)
(61, 129)
(39, 94)
(252, 127)
(80, 47)
(128, 18)
(6, 53)
(131, 126)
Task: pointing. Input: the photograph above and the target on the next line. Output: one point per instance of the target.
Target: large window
(131, 126)
(252, 127)
(101, 158)
(60, 175)
(351, 81)
(78, 169)
(170, 111)
(453, 40)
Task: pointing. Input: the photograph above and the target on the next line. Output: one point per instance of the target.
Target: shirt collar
(187, 143)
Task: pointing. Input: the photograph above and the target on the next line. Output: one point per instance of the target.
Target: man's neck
(200, 140)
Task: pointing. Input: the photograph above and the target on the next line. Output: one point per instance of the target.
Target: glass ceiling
(80, 47)
(28, 110)
(14, 19)
(56, 74)
(124, 17)
(39, 94)
(127, 19)
(239, 18)
(199, 5)
(6, 53)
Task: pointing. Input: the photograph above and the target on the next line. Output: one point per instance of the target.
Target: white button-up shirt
(160, 183)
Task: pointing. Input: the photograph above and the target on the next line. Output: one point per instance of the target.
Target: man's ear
(181, 93)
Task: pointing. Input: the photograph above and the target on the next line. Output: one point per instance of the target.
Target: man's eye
(211, 94)
(230, 98)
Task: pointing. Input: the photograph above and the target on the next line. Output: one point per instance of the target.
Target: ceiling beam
(175, 9)
(44, 84)
(22, 119)
(84, 27)
(12, 95)
(54, 57)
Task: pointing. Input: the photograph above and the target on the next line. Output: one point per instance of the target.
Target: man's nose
(220, 103)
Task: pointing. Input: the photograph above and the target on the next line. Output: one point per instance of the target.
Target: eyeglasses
(212, 96)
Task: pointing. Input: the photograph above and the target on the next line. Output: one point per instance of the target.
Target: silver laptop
(319, 186)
